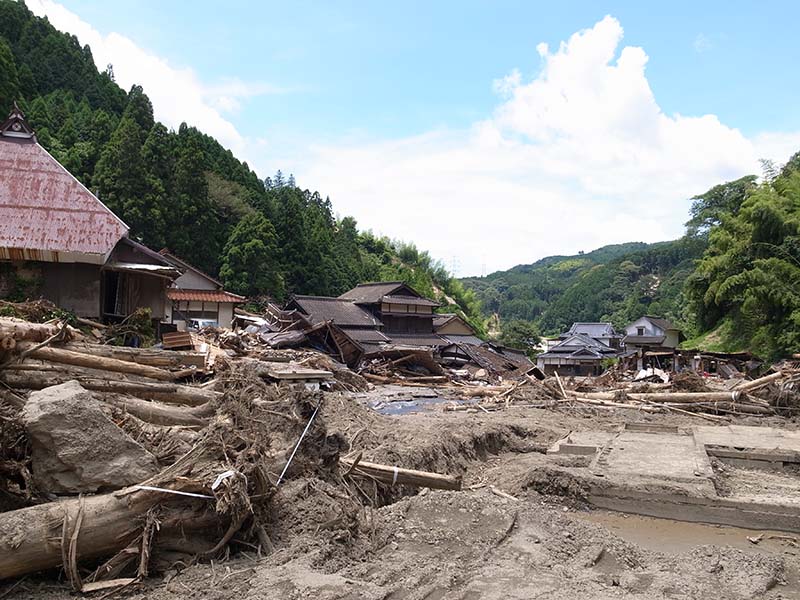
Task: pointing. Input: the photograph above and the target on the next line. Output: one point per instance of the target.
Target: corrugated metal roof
(176, 294)
(44, 209)
(342, 312)
(150, 269)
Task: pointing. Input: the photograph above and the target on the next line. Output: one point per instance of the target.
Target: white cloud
(177, 93)
(578, 157)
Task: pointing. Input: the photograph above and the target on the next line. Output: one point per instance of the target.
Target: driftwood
(70, 357)
(166, 359)
(39, 537)
(396, 475)
(748, 386)
(157, 413)
(19, 330)
(689, 397)
(170, 393)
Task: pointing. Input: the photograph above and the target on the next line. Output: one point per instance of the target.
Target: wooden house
(653, 340)
(582, 350)
(60, 241)
(196, 295)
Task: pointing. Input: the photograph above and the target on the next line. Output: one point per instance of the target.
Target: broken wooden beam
(396, 475)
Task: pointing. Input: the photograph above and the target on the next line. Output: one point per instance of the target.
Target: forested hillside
(183, 190)
(616, 283)
(731, 283)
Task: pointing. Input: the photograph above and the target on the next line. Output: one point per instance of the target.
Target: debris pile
(118, 461)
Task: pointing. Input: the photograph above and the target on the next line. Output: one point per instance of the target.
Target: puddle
(404, 407)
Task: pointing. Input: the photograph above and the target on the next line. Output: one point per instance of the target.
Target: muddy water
(673, 537)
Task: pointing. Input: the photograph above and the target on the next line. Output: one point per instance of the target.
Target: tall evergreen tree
(251, 261)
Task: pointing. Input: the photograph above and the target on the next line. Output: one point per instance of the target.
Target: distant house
(581, 350)
(650, 337)
(455, 329)
(196, 295)
(59, 236)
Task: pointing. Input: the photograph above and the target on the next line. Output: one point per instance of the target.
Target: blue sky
(357, 98)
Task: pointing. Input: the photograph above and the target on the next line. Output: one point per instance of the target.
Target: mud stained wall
(225, 315)
(72, 286)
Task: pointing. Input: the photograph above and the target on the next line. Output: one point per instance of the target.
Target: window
(640, 331)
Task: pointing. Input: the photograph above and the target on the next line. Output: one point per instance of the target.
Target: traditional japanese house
(196, 296)
(60, 242)
(653, 341)
(582, 350)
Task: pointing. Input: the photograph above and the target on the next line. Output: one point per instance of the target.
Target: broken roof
(45, 213)
(373, 293)
(342, 312)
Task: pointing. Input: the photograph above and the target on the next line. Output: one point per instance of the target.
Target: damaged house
(582, 350)
(652, 340)
(58, 241)
(389, 319)
(198, 298)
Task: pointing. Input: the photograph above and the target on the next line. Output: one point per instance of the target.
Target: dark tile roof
(409, 300)
(440, 319)
(371, 293)
(365, 335)
(417, 339)
(644, 340)
(595, 330)
(662, 323)
(342, 312)
(462, 339)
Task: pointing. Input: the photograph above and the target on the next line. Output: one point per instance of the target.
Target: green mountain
(616, 283)
(183, 190)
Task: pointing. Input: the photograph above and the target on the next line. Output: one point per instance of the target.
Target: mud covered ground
(477, 543)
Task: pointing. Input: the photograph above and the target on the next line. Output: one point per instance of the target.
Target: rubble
(234, 447)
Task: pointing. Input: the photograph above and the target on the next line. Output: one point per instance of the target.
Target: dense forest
(182, 190)
(732, 282)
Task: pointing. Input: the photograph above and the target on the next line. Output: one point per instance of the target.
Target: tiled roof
(442, 318)
(417, 339)
(365, 335)
(640, 340)
(662, 323)
(595, 330)
(46, 214)
(413, 300)
(177, 294)
(371, 293)
(342, 312)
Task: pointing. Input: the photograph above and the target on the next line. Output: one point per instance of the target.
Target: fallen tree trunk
(157, 413)
(689, 397)
(70, 357)
(396, 475)
(728, 407)
(38, 537)
(170, 393)
(748, 386)
(19, 330)
(167, 359)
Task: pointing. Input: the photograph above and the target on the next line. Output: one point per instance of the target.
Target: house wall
(71, 286)
(567, 367)
(225, 315)
(672, 340)
(410, 324)
(649, 328)
(455, 327)
(194, 281)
